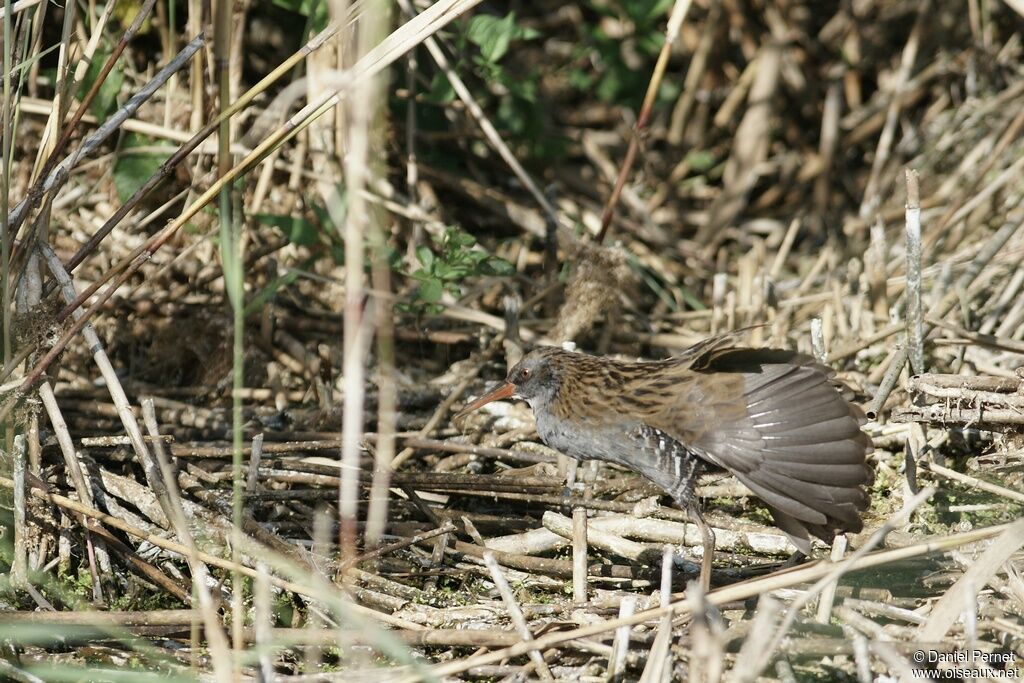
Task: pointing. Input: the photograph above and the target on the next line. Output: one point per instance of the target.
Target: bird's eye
(525, 373)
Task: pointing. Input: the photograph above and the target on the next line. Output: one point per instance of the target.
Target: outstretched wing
(780, 423)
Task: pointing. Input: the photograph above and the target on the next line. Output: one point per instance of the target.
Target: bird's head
(534, 379)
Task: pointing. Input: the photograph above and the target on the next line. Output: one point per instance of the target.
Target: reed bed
(229, 455)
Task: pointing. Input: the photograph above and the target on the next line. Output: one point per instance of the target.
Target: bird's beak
(502, 391)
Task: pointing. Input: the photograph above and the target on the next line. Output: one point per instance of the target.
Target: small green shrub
(446, 266)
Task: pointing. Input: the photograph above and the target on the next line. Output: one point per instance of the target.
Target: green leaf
(264, 296)
(523, 88)
(136, 162)
(314, 10)
(338, 254)
(441, 91)
(490, 72)
(324, 216)
(443, 270)
(425, 257)
(297, 229)
(646, 11)
(610, 85)
(430, 291)
(499, 266)
(580, 79)
(332, 216)
(700, 161)
(105, 101)
(492, 34)
(460, 271)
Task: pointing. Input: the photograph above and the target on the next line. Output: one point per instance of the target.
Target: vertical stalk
(193, 27)
(230, 234)
(915, 316)
(19, 564)
(376, 516)
(377, 513)
(5, 185)
(363, 105)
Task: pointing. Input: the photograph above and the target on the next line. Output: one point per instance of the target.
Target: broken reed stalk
(874, 261)
(756, 652)
(818, 340)
(387, 413)
(19, 564)
(516, 614)
(659, 658)
(579, 555)
(254, 463)
(1013, 222)
(263, 623)
(707, 651)
(828, 595)
(915, 316)
(620, 643)
(892, 373)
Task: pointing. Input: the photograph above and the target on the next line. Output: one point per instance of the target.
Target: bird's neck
(540, 404)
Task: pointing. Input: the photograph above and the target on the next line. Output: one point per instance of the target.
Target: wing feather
(781, 424)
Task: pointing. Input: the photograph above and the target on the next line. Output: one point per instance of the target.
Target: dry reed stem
(212, 560)
(216, 638)
(516, 614)
(914, 315)
(951, 605)
(17, 7)
(739, 591)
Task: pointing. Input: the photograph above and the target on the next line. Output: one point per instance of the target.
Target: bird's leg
(708, 541)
